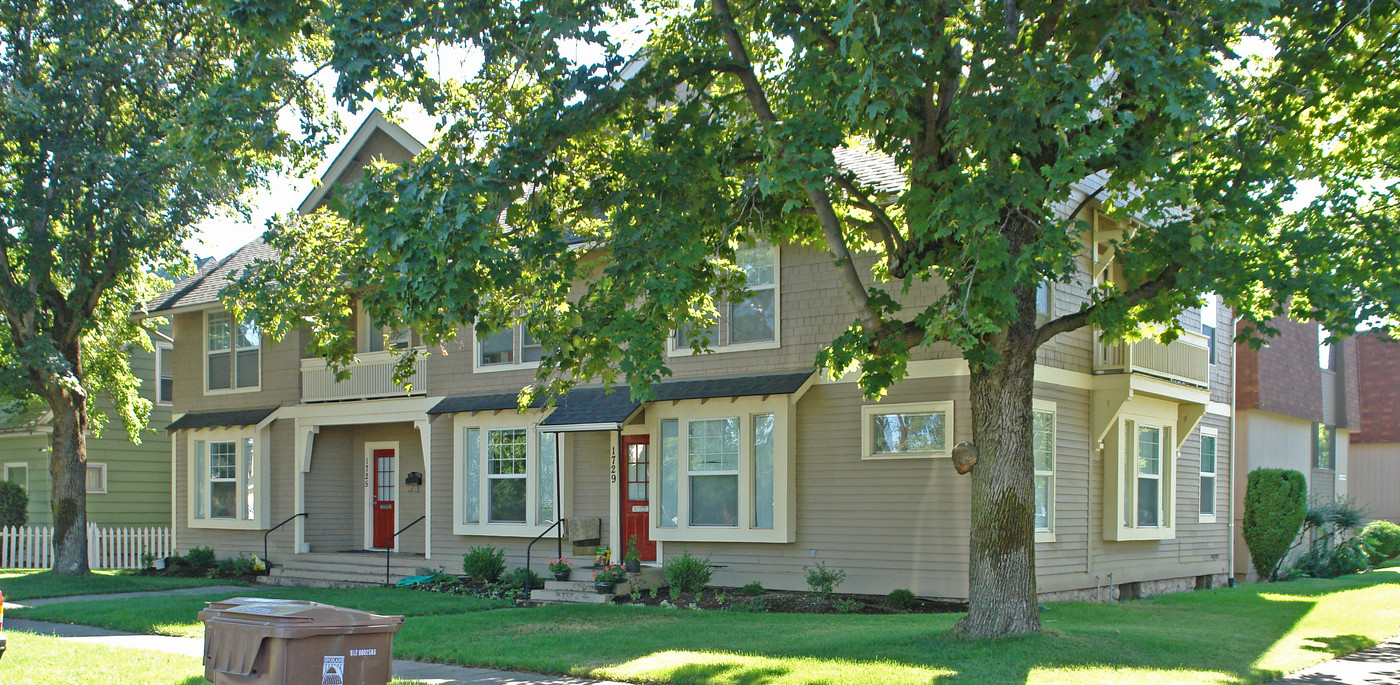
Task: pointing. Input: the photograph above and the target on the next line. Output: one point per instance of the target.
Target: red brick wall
(1380, 390)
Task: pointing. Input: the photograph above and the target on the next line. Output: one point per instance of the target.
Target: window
(1324, 447)
(96, 479)
(377, 337)
(1210, 318)
(763, 471)
(670, 473)
(231, 353)
(1149, 476)
(1043, 452)
(714, 472)
(1044, 295)
(226, 480)
(752, 323)
(1140, 458)
(509, 474)
(165, 376)
(17, 473)
(907, 431)
(1208, 464)
(1325, 355)
(510, 348)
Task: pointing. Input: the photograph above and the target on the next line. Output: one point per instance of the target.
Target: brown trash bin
(294, 642)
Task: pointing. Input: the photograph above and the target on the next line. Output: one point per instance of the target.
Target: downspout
(1230, 507)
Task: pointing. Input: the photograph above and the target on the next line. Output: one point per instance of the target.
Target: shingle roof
(21, 415)
(491, 402)
(203, 288)
(874, 169)
(219, 419)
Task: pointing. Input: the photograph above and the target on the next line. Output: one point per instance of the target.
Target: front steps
(582, 592)
(340, 570)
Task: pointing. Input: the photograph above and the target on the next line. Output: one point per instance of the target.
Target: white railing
(371, 377)
(1185, 360)
(121, 547)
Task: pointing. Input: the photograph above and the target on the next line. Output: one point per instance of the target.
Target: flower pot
(632, 565)
(562, 576)
(604, 587)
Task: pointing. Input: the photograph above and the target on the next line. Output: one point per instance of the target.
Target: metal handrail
(559, 550)
(270, 531)
(389, 547)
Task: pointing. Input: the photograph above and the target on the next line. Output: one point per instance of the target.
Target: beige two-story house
(747, 455)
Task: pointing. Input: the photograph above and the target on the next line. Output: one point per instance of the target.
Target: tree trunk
(68, 468)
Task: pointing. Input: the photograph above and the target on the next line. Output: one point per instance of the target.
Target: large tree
(122, 124)
(1199, 120)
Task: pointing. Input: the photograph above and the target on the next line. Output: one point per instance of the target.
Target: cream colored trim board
(946, 368)
(1220, 409)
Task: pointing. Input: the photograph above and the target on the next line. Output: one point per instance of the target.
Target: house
(748, 455)
(1298, 403)
(1374, 457)
(128, 484)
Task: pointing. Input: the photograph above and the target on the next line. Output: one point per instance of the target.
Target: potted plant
(631, 558)
(560, 568)
(606, 578)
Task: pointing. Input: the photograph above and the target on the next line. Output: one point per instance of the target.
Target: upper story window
(232, 353)
(1044, 296)
(1324, 447)
(752, 323)
(376, 337)
(165, 375)
(1210, 318)
(510, 348)
(1325, 355)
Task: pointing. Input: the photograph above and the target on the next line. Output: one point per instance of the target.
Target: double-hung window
(1043, 453)
(377, 337)
(1324, 447)
(752, 322)
(232, 352)
(1149, 476)
(1140, 477)
(714, 471)
(165, 375)
(227, 479)
(1210, 318)
(510, 348)
(907, 431)
(1208, 472)
(509, 474)
(1326, 355)
(506, 458)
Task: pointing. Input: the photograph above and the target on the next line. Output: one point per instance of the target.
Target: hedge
(1275, 502)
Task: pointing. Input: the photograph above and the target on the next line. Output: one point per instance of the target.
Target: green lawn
(1249, 634)
(19, 584)
(40, 660)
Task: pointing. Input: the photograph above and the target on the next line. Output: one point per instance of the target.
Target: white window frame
(1121, 474)
(233, 351)
(1045, 406)
(261, 485)
(691, 474)
(745, 409)
(1214, 475)
(163, 361)
(484, 422)
(517, 351)
(1139, 475)
(676, 349)
(1042, 317)
(867, 432)
(366, 332)
(18, 465)
(101, 489)
(1212, 308)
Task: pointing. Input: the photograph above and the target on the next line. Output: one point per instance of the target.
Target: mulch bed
(781, 601)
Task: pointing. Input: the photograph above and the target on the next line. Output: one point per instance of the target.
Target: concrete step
(569, 585)
(568, 597)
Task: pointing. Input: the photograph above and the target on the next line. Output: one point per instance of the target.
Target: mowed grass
(21, 584)
(177, 615)
(40, 660)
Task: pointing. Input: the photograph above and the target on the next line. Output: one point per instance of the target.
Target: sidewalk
(1379, 664)
(416, 671)
(27, 603)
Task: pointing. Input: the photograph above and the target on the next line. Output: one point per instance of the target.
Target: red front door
(383, 497)
(636, 512)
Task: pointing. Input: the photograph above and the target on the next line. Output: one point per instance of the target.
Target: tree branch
(1148, 290)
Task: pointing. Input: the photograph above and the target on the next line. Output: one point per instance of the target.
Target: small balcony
(1185, 360)
(371, 377)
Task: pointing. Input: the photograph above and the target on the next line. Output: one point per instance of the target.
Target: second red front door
(636, 514)
(382, 500)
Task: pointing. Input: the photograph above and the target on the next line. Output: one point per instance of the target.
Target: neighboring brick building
(1297, 403)
(1375, 450)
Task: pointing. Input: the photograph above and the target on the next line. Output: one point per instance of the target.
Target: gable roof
(375, 122)
(202, 289)
(23, 415)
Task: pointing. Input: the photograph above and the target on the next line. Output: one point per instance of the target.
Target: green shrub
(14, 505)
(485, 563)
(1384, 537)
(1322, 561)
(823, 580)
(200, 557)
(902, 599)
(233, 567)
(850, 606)
(753, 589)
(1275, 502)
(524, 579)
(687, 573)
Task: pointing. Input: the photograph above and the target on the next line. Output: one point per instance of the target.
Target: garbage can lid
(295, 613)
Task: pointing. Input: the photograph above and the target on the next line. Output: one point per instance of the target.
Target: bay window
(506, 471)
(232, 353)
(227, 479)
(751, 323)
(1140, 472)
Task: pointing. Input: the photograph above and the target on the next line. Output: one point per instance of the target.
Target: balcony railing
(1184, 360)
(371, 377)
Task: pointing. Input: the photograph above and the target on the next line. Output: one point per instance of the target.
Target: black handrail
(389, 547)
(267, 563)
(529, 548)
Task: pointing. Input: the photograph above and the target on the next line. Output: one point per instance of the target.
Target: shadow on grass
(1338, 645)
(736, 674)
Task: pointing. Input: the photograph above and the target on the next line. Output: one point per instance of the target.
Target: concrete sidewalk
(1379, 664)
(416, 671)
(28, 603)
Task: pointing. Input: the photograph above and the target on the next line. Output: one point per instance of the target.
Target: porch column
(305, 439)
(425, 436)
(615, 464)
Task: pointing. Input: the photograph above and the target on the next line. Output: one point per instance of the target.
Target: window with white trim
(505, 475)
(376, 337)
(1140, 472)
(1044, 298)
(1043, 453)
(232, 353)
(508, 475)
(18, 473)
(1210, 318)
(751, 323)
(713, 474)
(1324, 447)
(227, 479)
(1208, 471)
(165, 374)
(96, 479)
(907, 431)
(510, 348)
(1149, 476)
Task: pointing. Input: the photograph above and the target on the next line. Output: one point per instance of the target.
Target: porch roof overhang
(221, 419)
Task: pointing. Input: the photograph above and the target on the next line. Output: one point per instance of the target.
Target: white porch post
(305, 441)
(614, 520)
(425, 435)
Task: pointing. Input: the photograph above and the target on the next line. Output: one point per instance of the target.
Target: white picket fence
(120, 547)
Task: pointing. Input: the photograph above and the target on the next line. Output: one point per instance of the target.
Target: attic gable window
(749, 324)
(232, 354)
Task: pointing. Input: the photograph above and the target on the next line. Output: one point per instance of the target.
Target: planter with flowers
(561, 568)
(606, 578)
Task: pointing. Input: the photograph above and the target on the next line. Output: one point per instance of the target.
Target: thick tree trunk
(68, 469)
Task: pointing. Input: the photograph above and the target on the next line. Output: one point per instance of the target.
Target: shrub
(485, 563)
(687, 573)
(823, 580)
(1345, 515)
(233, 567)
(1384, 537)
(902, 598)
(753, 589)
(200, 557)
(14, 505)
(1345, 558)
(1275, 502)
(850, 606)
(523, 578)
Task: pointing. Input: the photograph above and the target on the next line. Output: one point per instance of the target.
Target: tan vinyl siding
(333, 489)
(280, 367)
(1374, 479)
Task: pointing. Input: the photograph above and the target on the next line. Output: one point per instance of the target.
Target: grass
(21, 584)
(177, 615)
(40, 660)
(1250, 634)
